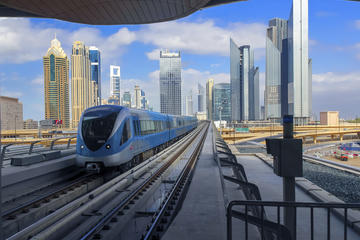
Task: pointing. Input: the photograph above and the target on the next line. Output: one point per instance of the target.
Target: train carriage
(112, 136)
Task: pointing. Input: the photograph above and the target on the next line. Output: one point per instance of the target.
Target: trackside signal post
(288, 164)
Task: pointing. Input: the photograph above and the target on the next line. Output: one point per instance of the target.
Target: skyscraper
(56, 84)
(170, 82)
(137, 97)
(298, 60)
(255, 96)
(209, 98)
(115, 82)
(201, 93)
(95, 62)
(144, 101)
(126, 101)
(222, 102)
(235, 81)
(276, 33)
(81, 87)
(244, 90)
(189, 105)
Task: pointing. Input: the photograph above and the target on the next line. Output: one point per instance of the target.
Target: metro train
(117, 136)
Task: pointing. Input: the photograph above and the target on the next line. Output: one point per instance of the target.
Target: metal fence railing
(275, 230)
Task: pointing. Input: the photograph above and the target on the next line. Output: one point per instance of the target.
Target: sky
(203, 40)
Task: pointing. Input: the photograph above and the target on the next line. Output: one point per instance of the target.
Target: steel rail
(180, 182)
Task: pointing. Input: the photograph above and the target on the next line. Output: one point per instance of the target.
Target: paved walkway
(270, 186)
(202, 215)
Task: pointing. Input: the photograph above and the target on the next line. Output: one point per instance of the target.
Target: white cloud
(202, 37)
(39, 80)
(154, 54)
(22, 41)
(337, 91)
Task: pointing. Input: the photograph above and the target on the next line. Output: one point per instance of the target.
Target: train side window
(138, 126)
(126, 134)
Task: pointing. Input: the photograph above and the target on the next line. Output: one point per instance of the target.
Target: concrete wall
(329, 118)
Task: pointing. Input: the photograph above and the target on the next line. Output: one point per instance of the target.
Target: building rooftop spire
(56, 47)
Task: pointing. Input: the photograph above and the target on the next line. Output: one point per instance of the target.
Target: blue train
(116, 136)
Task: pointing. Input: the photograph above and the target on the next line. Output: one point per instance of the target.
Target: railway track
(127, 206)
(90, 215)
(27, 212)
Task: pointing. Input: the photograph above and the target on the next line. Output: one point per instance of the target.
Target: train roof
(139, 112)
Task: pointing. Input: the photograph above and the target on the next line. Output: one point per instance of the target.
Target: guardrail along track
(91, 212)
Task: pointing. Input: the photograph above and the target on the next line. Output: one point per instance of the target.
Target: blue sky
(202, 38)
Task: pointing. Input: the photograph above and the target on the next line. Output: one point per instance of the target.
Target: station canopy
(106, 12)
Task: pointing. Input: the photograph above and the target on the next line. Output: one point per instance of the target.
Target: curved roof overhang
(106, 12)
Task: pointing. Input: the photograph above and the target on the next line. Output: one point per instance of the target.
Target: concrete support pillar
(341, 137)
(314, 139)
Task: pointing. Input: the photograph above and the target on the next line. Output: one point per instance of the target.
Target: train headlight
(108, 146)
(82, 146)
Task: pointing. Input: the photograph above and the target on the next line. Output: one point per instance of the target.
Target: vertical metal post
(289, 182)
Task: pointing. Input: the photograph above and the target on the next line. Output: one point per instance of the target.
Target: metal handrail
(3, 151)
(274, 227)
(68, 143)
(32, 146)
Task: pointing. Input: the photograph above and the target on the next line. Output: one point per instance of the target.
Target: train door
(137, 133)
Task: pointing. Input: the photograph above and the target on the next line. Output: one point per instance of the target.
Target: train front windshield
(96, 128)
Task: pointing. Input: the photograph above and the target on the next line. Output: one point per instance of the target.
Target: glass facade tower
(298, 63)
(244, 88)
(201, 93)
(170, 82)
(276, 33)
(115, 83)
(95, 62)
(222, 102)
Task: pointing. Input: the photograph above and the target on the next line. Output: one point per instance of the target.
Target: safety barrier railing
(250, 190)
(276, 229)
